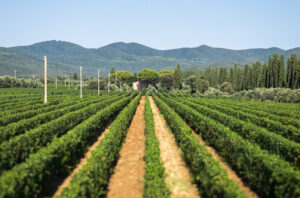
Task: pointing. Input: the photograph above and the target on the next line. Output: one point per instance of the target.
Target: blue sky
(161, 24)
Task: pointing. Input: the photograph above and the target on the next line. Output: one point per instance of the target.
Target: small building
(136, 86)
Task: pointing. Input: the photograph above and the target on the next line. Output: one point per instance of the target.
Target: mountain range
(64, 58)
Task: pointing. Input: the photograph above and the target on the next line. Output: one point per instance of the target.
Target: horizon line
(133, 42)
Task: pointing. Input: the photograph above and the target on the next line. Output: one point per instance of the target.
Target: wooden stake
(80, 81)
(98, 82)
(69, 82)
(45, 76)
(108, 86)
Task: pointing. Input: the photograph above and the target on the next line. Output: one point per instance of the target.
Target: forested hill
(65, 57)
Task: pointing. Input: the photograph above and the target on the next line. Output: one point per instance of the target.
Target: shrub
(227, 87)
(271, 94)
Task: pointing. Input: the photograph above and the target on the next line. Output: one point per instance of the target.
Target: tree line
(8, 82)
(273, 73)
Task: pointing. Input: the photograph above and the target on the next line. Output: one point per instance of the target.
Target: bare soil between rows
(127, 181)
(178, 178)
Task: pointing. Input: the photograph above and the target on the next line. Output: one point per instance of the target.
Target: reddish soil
(177, 178)
(231, 174)
(127, 181)
(82, 162)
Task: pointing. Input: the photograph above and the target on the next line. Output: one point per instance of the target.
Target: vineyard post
(69, 82)
(15, 73)
(108, 82)
(65, 80)
(45, 94)
(98, 82)
(116, 81)
(80, 81)
(56, 82)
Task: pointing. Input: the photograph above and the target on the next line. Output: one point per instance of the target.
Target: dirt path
(127, 181)
(231, 174)
(82, 162)
(177, 174)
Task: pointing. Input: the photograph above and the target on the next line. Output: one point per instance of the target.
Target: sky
(160, 24)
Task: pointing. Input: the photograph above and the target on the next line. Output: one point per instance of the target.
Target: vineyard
(140, 144)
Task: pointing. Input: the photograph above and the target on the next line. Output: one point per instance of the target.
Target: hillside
(26, 65)
(65, 57)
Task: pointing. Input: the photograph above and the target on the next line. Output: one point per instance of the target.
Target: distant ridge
(66, 57)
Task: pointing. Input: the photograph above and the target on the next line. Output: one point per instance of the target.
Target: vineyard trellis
(41, 144)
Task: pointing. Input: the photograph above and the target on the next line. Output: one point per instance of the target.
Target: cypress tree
(177, 77)
(246, 77)
(231, 75)
(208, 75)
(112, 70)
(296, 81)
(240, 77)
(282, 72)
(259, 74)
(291, 66)
(215, 77)
(256, 74)
(275, 70)
(235, 77)
(264, 75)
(269, 73)
(223, 75)
(251, 77)
(289, 70)
(226, 75)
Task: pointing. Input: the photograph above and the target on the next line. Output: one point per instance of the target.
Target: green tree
(208, 73)
(269, 73)
(166, 78)
(282, 73)
(191, 81)
(235, 77)
(227, 87)
(123, 76)
(75, 76)
(246, 77)
(203, 85)
(264, 77)
(214, 77)
(166, 81)
(291, 71)
(296, 80)
(256, 75)
(147, 76)
(223, 75)
(165, 72)
(251, 83)
(275, 71)
(197, 83)
(231, 75)
(112, 71)
(177, 77)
